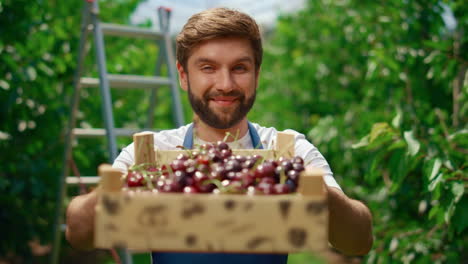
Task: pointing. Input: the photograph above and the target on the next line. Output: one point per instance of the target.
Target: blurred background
(380, 87)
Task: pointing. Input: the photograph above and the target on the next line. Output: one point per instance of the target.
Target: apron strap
(256, 142)
(188, 139)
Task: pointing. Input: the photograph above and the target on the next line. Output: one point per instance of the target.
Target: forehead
(222, 50)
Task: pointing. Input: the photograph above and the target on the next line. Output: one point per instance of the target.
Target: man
(219, 53)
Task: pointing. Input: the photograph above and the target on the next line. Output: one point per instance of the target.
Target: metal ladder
(90, 22)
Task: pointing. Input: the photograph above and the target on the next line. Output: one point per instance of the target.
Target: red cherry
(266, 188)
(222, 145)
(281, 188)
(298, 159)
(190, 189)
(135, 179)
(178, 165)
(265, 170)
(293, 175)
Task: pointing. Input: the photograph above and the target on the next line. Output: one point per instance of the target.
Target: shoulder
(268, 135)
(171, 138)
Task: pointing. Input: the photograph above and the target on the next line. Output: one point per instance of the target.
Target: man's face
(221, 81)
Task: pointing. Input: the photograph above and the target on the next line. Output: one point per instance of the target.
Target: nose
(225, 81)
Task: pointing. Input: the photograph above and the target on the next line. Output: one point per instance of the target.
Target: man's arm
(350, 224)
(80, 221)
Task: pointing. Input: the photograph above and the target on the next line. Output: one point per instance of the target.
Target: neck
(211, 134)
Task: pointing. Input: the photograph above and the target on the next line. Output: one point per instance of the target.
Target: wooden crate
(146, 221)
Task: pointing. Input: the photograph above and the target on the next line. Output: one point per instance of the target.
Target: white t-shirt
(170, 139)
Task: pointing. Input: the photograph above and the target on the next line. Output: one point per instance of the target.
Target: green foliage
(380, 88)
(38, 55)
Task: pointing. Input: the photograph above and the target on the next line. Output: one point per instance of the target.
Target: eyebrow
(207, 60)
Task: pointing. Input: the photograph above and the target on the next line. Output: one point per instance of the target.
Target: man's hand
(350, 224)
(80, 221)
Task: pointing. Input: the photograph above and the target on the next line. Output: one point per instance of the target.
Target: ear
(183, 77)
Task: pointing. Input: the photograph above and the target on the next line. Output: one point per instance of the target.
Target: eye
(207, 68)
(240, 68)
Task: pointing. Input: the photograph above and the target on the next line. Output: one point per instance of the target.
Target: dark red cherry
(190, 189)
(135, 179)
(298, 159)
(281, 188)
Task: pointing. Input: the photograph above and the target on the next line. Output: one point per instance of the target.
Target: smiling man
(219, 53)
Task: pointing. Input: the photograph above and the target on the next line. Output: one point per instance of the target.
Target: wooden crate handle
(285, 143)
(110, 178)
(144, 148)
(311, 182)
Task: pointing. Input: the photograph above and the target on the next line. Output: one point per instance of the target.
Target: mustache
(233, 93)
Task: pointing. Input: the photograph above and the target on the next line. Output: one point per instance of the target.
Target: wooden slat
(285, 143)
(111, 179)
(87, 180)
(144, 147)
(214, 223)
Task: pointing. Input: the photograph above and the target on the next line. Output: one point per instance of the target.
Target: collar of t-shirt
(243, 143)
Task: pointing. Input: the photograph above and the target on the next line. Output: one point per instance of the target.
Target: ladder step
(100, 132)
(127, 81)
(129, 31)
(87, 180)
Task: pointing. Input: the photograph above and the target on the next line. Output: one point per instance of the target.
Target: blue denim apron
(219, 258)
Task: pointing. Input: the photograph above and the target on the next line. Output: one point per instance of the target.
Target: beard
(227, 117)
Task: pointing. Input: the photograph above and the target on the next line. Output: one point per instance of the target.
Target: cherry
(265, 170)
(298, 159)
(233, 165)
(190, 171)
(287, 165)
(205, 187)
(170, 186)
(226, 153)
(178, 165)
(281, 188)
(203, 160)
(215, 155)
(268, 180)
(231, 175)
(190, 189)
(182, 157)
(248, 164)
(222, 145)
(298, 167)
(266, 188)
(293, 175)
(200, 177)
(219, 173)
(135, 179)
(291, 184)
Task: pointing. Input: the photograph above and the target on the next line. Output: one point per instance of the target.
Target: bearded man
(219, 54)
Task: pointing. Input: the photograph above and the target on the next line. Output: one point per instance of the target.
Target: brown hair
(218, 23)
